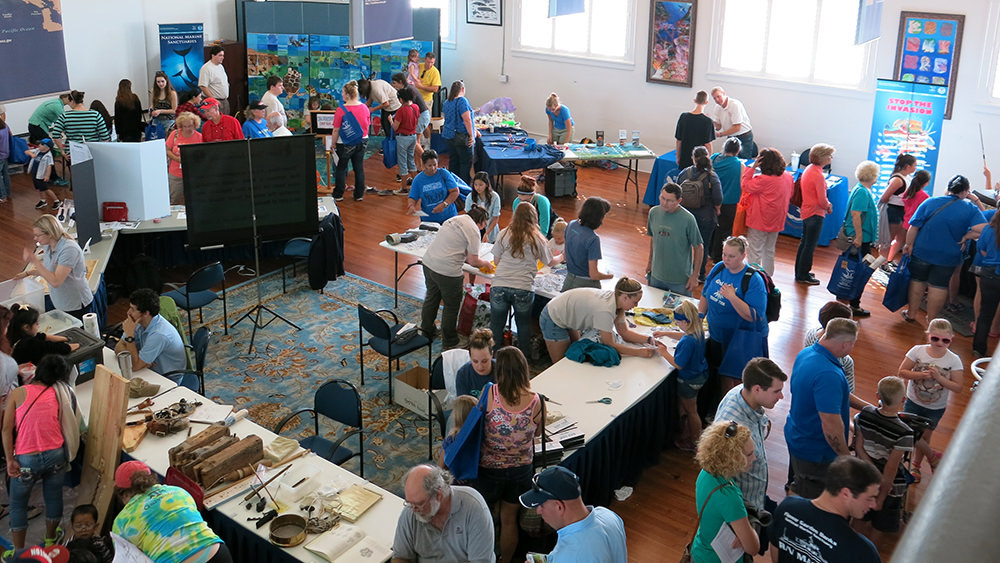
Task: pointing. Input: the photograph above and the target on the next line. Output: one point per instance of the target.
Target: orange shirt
(768, 198)
(814, 201)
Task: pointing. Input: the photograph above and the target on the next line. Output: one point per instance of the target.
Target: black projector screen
(219, 199)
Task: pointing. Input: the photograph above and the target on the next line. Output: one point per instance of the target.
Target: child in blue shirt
(692, 369)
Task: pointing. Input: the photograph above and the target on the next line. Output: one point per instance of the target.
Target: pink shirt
(174, 142)
(509, 436)
(910, 205)
(360, 111)
(814, 201)
(40, 430)
(768, 198)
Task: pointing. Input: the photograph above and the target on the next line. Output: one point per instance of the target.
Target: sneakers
(56, 204)
(41, 204)
(338, 198)
(409, 182)
(859, 312)
(385, 192)
(809, 281)
(906, 316)
(61, 182)
(371, 189)
(399, 178)
(362, 198)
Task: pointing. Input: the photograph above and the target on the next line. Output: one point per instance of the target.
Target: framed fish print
(484, 12)
(927, 50)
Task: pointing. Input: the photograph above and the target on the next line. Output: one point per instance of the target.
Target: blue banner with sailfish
(182, 52)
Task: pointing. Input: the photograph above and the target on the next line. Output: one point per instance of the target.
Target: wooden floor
(660, 515)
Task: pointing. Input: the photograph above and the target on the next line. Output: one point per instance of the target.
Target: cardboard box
(410, 390)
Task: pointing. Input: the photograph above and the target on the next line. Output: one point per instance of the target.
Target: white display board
(135, 173)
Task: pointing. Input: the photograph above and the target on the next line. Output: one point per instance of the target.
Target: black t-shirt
(692, 130)
(33, 348)
(802, 532)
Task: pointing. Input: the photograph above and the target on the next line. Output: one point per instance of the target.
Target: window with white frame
(808, 41)
(447, 8)
(603, 31)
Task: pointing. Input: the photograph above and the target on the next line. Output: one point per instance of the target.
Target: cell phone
(537, 557)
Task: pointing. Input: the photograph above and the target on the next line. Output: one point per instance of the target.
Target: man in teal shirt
(675, 244)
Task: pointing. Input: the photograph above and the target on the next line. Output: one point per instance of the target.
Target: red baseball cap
(39, 554)
(208, 103)
(123, 475)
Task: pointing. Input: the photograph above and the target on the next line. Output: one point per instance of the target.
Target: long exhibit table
(630, 153)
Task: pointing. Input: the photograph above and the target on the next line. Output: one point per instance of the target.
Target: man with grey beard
(442, 522)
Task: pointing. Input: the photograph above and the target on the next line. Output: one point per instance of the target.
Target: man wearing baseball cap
(218, 126)
(586, 533)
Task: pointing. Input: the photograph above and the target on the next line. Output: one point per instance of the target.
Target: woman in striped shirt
(79, 123)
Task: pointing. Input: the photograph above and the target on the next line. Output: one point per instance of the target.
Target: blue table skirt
(243, 544)
(502, 152)
(619, 453)
(666, 166)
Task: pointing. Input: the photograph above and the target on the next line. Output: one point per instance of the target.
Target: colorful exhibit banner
(182, 52)
(907, 119)
(32, 50)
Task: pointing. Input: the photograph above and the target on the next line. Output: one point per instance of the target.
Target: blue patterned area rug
(287, 366)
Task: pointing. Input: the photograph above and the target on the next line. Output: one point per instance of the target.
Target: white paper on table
(210, 412)
(126, 552)
(182, 215)
(723, 545)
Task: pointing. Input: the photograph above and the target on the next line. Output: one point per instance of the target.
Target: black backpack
(772, 310)
(693, 191)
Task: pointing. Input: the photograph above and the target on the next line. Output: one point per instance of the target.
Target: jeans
(449, 290)
(501, 301)
(48, 467)
(574, 281)
(989, 288)
(747, 148)
(355, 154)
(807, 477)
(404, 154)
(460, 160)
(722, 231)
(4, 179)
(811, 229)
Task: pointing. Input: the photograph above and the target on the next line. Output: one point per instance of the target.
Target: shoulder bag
(351, 132)
(463, 458)
(686, 556)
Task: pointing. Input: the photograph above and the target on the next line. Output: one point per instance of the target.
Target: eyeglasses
(731, 429)
(540, 489)
(767, 432)
(940, 339)
(84, 526)
(414, 506)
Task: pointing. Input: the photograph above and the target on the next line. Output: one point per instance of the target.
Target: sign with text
(182, 52)
(32, 50)
(907, 119)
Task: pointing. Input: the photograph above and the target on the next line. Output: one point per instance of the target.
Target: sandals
(906, 317)
(915, 472)
(934, 460)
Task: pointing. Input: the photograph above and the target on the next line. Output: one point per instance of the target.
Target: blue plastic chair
(298, 250)
(199, 345)
(339, 401)
(198, 293)
(384, 340)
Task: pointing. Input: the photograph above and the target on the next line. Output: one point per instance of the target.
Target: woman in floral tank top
(513, 419)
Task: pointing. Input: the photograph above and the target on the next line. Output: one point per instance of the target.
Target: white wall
(787, 117)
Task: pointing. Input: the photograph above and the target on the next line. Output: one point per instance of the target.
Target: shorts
(894, 213)
(506, 483)
(688, 388)
(423, 121)
(889, 517)
(931, 274)
(550, 330)
(40, 185)
(933, 415)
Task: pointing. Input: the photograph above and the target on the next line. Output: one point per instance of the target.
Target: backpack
(693, 191)
(772, 308)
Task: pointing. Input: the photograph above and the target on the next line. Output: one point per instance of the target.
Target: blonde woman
(560, 121)
(186, 133)
(725, 450)
(351, 150)
(61, 265)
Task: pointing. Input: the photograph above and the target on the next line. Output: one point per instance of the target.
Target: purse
(843, 242)
(686, 556)
(462, 458)
(740, 219)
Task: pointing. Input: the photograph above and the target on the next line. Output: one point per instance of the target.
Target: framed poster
(671, 42)
(484, 12)
(927, 50)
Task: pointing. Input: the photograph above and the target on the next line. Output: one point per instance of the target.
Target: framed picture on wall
(484, 12)
(927, 50)
(670, 59)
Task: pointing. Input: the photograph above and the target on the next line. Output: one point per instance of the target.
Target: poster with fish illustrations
(182, 52)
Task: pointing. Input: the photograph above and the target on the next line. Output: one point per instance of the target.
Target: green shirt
(862, 200)
(673, 236)
(725, 506)
(46, 114)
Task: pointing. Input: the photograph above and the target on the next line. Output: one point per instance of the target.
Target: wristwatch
(129, 339)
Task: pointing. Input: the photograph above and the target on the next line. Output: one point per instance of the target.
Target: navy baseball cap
(555, 483)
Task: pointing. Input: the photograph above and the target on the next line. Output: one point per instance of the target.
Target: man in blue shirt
(816, 429)
(151, 340)
(586, 533)
(933, 243)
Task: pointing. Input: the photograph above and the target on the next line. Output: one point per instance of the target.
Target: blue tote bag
(849, 276)
(350, 129)
(897, 291)
(389, 150)
(746, 344)
(462, 458)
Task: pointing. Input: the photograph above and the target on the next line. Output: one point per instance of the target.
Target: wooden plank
(247, 451)
(210, 434)
(104, 440)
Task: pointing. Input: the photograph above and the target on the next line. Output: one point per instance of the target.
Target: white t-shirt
(383, 92)
(44, 161)
(457, 238)
(213, 77)
(733, 113)
(584, 308)
(274, 105)
(928, 393)
(518, 273)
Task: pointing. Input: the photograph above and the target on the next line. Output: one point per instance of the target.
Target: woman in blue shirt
(255, 127)
(560, 121)
(729, 168)
(433, 192)
(862, 217)
(988, 260)
(62, 265)
(583, 246)
(458, 131)
(729, 308)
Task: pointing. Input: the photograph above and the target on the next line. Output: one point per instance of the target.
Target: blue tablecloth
(502, 152)
(837, 192)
